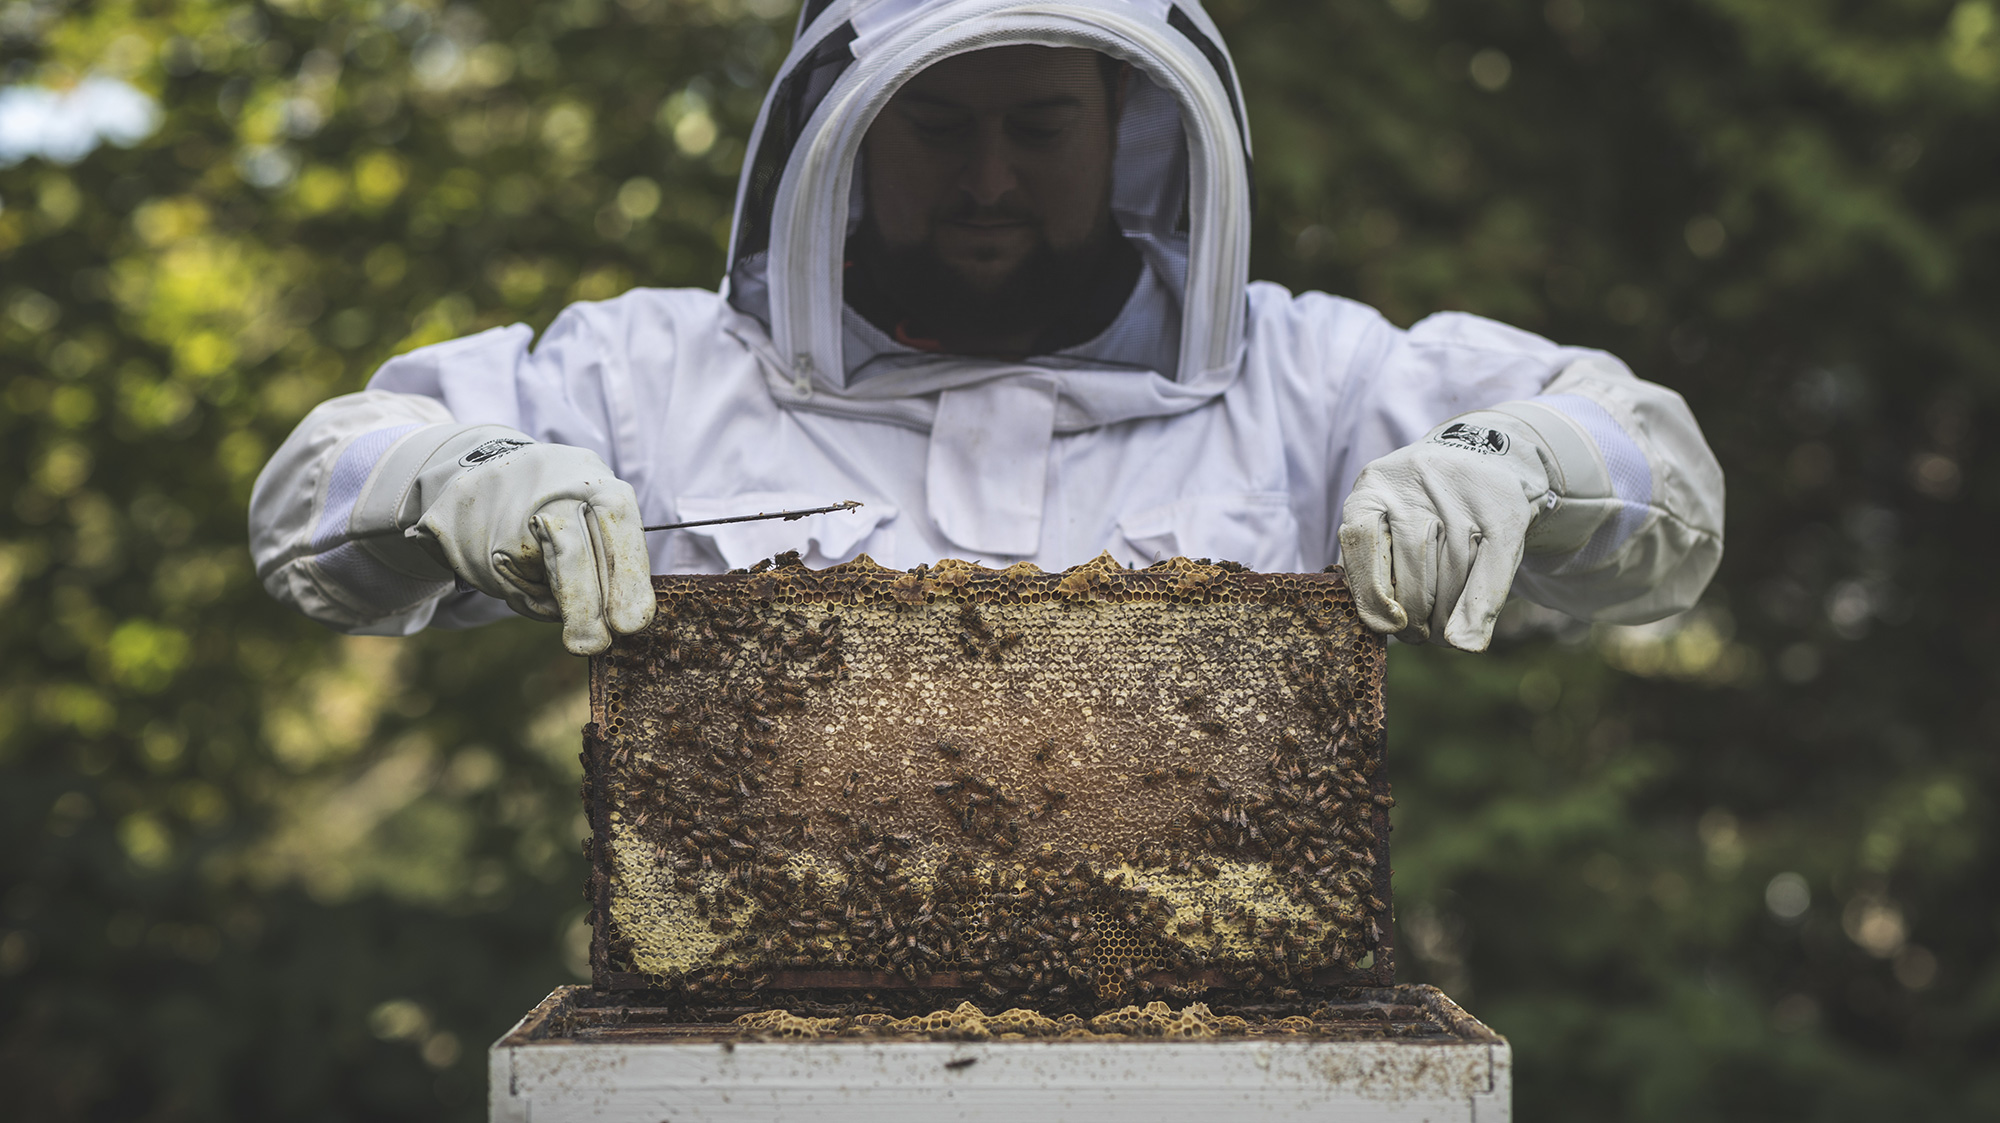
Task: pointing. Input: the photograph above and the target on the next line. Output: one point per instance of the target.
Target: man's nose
(989, 176)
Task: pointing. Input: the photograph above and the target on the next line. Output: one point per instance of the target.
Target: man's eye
(939, 128)
(1038, 128)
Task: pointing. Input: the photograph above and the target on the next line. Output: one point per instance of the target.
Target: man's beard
(910, 290)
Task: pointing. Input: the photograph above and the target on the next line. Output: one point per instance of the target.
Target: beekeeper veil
(996, 220)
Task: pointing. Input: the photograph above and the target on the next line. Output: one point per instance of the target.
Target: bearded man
(989, 275)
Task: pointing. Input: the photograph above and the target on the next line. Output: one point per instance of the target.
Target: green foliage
(247, 867)
(251, 869)
(1786, 211)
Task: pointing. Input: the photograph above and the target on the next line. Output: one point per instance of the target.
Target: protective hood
(1180, 194)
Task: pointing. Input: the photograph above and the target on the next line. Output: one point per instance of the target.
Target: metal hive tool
(1076, 789)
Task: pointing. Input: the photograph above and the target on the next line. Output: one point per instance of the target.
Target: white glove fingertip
(1415, 554)
(587, 636)
(1386, 617)
(1469, 635)
(1365, 546)
(576, 577)
(1487, 583)
(628, 593)
(631, 609)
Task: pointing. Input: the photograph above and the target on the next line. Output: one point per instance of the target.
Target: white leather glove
(1433, 533)
(546, 528)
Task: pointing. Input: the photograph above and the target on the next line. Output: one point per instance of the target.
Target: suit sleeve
(328, 512)
(1641, 490)
(1659, 539)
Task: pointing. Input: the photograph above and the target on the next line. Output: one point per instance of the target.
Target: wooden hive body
(1074, 789)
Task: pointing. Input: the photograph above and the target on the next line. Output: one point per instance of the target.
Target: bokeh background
(1738, 865)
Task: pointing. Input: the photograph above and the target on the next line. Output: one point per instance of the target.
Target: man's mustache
(989, 214)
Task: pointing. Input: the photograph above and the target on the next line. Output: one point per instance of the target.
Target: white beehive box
(1412, 1056)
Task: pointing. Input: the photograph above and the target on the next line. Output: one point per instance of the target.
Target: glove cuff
(1579, 495)
(409, 477)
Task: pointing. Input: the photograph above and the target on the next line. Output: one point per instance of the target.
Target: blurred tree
(1736, 865)
(249, 868)
(1739, 864)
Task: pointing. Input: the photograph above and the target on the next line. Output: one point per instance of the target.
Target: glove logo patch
(491, 450)
(1473, 438)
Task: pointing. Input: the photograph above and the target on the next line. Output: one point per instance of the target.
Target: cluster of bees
(983, 810)
(1060, 928)
(980, 642)
(1315, 824)
(1302, 825)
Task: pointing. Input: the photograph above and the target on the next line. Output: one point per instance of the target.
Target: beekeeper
(989, 277)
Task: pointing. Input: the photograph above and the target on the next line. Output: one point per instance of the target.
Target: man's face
(987, 159)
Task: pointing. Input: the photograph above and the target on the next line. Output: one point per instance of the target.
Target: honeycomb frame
(1077, 789)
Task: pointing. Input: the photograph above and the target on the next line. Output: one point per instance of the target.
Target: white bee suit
(1213, 418)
